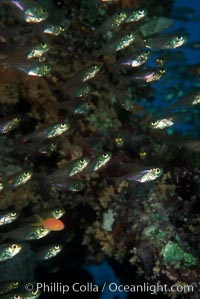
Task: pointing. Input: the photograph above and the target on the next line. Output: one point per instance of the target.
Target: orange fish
(50, 223)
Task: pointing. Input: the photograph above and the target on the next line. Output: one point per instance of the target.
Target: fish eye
(57, 247)
(105, 155)
(141, 11)
(13, 214)
(15, 283)
(62, 28)
(143, 154)
(162, 71)
(47, 67)
(26, 173)
(82, 160)
(179, 37)
(129, 35)
(157, 170)
(159, 61)
(14, 246)
(17, 297)
(58, 211)
(17, 118)
(118, 139)
(44, 10)
(63, 125)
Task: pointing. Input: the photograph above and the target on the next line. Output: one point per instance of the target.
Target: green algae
(172, 253)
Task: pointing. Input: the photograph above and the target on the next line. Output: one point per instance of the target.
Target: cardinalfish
(72, 168)
(9, 123)
(18, 179)
(47, 148)
(136, 15)
(36, 148)
(28, 10)
(148, 75)
(51, 223)
(165, 42)
(135, 60)
(98, 162)
(76, 89)
(52, 131)
(34, 69)
(34, 233)
(162, 123)
(169, 120)
(117, 44)
(54, 30)
(17, 59)
(145, 175)
(69, 184)
(39, 70)
(48, 252)
(120, 18)
(8, 251)
(166, 121)
(85, 74)
(37, 51)
(28, 232)
(112, 22)
(7, 217)
(75, 106)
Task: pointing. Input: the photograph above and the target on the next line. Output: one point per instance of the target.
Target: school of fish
(121, 51)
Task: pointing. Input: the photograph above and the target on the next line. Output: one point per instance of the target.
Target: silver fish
(8, 217)
(9, 123)
(48, 252)
(166, 42)
(144, 176)
(72, 168)
(8, 251)
(135, 60)
(70, 184)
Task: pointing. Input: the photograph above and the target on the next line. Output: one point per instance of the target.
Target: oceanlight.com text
(113, 287)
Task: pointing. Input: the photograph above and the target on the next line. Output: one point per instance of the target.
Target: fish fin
(39, 222)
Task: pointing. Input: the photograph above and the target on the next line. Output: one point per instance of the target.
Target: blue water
(102, 273)
(175, 84)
